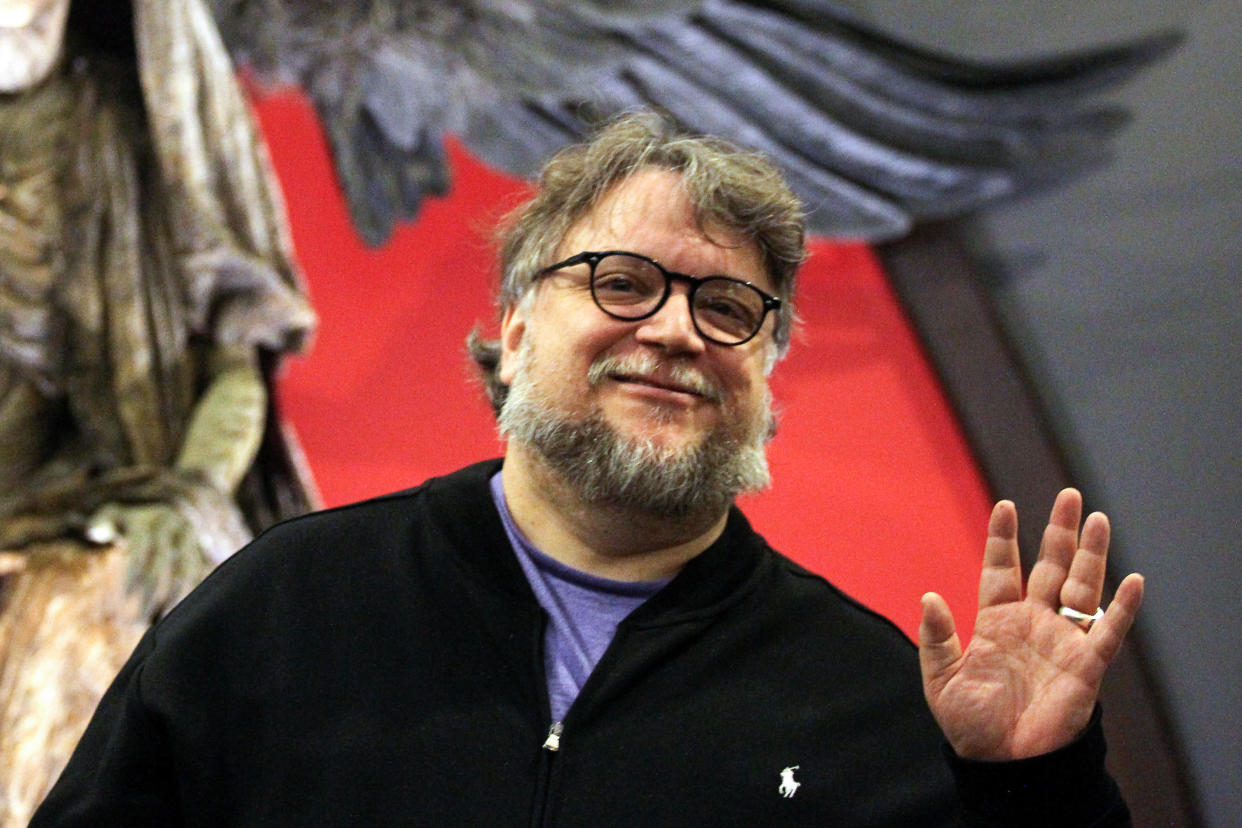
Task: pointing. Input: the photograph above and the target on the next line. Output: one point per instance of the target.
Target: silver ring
(1082, 619)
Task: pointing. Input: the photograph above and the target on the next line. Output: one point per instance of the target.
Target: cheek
(751, 387)
(583, 340)
(562, 358)
(750, 371)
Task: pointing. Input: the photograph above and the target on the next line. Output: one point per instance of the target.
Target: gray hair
(729, 187)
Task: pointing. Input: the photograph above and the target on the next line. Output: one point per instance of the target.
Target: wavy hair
(729, 187)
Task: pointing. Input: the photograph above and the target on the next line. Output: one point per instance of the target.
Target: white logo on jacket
(789, 785)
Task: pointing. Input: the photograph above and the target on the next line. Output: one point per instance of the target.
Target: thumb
(939, 647)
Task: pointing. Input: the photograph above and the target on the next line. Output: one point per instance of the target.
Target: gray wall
(1123, 294)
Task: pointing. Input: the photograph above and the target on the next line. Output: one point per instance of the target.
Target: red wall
(873, 483)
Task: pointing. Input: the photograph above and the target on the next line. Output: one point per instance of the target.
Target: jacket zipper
(547, 752)
(553, 742)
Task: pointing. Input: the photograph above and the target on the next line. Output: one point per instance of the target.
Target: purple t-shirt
(583, 611)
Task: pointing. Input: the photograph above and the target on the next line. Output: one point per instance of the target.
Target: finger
(1085, 584)
(1107, 634)
(939, 646)
(1056, 549)
(1001, 578)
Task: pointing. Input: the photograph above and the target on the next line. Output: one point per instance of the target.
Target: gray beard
(606, 468)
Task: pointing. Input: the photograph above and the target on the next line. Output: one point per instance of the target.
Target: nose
(672, 326)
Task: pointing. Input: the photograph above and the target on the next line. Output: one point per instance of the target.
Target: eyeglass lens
(630, 288)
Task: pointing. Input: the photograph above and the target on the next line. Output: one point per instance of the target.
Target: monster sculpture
(147, 290)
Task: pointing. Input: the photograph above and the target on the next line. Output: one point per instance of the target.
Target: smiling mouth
(659, 385)
(645, 372)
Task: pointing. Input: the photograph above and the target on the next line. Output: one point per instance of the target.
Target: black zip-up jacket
(380, 664)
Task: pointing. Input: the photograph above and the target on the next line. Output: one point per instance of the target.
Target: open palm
(1028, 681)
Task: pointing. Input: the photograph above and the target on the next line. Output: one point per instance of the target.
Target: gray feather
(875, 134)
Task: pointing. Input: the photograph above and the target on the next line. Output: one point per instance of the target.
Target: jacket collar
(460, 506)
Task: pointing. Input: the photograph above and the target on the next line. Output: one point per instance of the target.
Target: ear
(512, 329)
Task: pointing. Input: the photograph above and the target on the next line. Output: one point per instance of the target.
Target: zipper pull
(553, 742)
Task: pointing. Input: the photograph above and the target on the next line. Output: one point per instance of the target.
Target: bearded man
(588, 632)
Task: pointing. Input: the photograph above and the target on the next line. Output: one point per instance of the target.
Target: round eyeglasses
(630, 286)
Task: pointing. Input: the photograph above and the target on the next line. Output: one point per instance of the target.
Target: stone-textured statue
(147, 291)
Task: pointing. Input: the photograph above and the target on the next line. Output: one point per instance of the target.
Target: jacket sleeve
(1068, 787)
(121, 772)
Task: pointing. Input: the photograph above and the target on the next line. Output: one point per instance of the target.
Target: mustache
(642, 364)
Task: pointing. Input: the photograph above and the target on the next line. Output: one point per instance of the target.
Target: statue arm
(173, 544)
(227, 424)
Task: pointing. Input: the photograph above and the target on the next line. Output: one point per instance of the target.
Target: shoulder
(322, 582)
(819, 614)
(352, 547)
(795, 589)
(380, 523)
(796, 578)
(777, 593)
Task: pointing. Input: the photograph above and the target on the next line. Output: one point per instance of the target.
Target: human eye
(616, 283)
(727, 309)
(625, 279)
(729, 306)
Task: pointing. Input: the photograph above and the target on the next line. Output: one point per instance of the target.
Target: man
(589, 633)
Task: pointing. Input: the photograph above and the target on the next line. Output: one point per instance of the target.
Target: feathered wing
(874, 134)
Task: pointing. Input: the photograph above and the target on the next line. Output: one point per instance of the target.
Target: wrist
(1067, 786)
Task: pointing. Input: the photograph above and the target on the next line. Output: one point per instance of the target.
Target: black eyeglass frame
(594, 257)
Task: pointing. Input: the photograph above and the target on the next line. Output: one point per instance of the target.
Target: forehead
(651, 213)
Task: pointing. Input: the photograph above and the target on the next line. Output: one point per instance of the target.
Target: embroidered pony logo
(789, 785)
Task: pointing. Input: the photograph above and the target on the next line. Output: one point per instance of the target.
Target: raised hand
(1028, 681)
